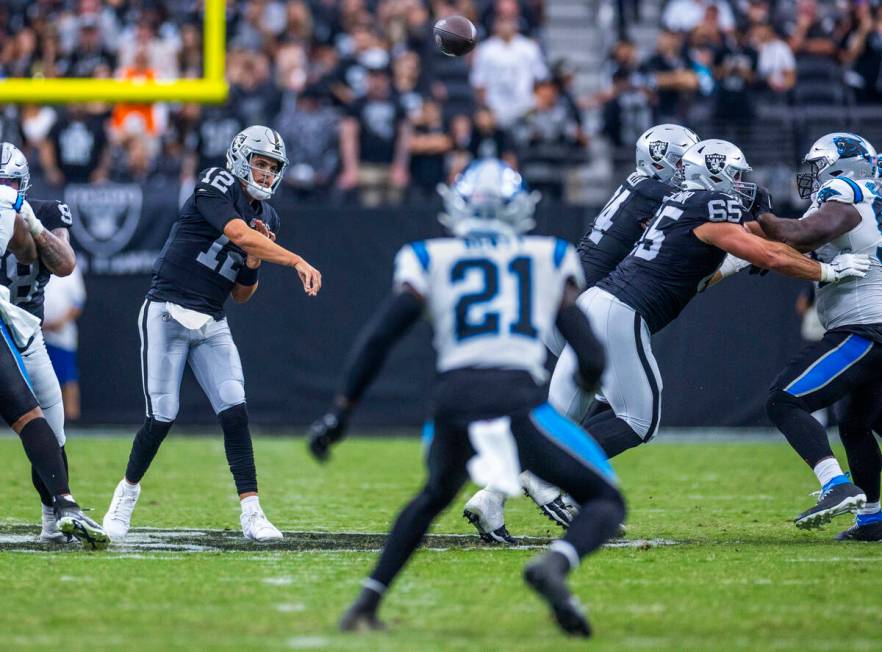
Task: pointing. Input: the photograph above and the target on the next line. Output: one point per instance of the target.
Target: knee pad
(164, 407)
(230, 393)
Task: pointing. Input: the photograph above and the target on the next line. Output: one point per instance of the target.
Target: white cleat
(557, 506)
(486, 512)
(50, 532)
(256, 526)
(118, 518)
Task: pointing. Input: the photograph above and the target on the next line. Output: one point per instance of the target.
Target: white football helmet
(660, 148)
(839, 154)
(256, 140)
(488, 196)
(14, 165)
(717, 165)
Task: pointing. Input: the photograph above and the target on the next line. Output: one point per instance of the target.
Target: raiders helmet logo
(658, 149)
(715, 162)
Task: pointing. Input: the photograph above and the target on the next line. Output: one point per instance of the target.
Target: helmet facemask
(808, 178)
(258, 190)
(744, 190)
(14, 167)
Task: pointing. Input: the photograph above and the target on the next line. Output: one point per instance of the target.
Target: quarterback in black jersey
(30, 397)
(215, 248)
(682, 248)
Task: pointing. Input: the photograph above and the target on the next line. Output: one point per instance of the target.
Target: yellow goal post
(211, 89)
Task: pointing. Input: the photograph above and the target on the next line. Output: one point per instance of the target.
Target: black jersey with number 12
(669, 264)
(198, 265)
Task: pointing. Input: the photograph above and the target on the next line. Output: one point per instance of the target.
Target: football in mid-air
(455, 35)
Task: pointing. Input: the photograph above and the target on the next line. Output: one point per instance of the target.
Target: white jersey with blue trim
(492, 300)
(855, 300)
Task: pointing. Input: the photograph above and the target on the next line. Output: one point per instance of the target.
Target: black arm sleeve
(389, 323)
(573, 325)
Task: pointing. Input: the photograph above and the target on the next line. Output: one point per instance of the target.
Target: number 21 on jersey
(473, 317)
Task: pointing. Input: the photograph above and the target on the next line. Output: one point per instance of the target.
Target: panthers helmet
(717, 165)
(488, 196)
(839, 154)
(256, 140)
(14, 165)
(659, 150)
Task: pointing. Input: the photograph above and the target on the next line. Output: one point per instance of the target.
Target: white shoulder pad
(843, 189)
(567, 261)
(412, 267)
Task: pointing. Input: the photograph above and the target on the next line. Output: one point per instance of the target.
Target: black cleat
(73, 523)
(359, 619)
(545, 577)
(499, 535)
(868, 532)
(838, 499)
(558, 512)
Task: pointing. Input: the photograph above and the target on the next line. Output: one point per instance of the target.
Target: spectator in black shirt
(734, 69)
(810, 32)
(670, 75)
(375, 143)
(312, 126)
(77, 149)
(481, 138)
(863, 49)
(214, 130)
(429, 145)
(89, 53)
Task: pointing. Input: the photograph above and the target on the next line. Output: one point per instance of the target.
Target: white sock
(869, 508)
(250, 504)
(827, 469)
(129, 486)
(47, 511)
(567, 550)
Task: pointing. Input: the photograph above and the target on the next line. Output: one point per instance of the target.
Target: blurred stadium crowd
(372, 111)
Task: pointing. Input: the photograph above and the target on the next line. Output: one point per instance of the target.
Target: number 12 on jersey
(469, 325)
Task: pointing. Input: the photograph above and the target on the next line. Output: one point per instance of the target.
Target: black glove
(326, 431)
(762, 202)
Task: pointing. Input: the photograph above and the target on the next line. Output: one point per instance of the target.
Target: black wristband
(247, 276)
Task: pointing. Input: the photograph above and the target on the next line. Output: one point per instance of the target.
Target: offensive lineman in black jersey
(214, 251)
(611, 237)
(683, 247)
(48, 223)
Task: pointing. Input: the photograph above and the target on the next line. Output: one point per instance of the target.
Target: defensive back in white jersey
(855, 300)
(492, 300)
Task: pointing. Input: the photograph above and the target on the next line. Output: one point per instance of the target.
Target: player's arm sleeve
(215, 206)
(576, 330)
(836, 215)
(394, 318)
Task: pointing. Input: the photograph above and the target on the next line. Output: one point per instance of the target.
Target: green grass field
(738, 577)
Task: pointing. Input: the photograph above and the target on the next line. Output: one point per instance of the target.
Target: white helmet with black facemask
(261, 141)
(717, 165)
(835, 155)
(14, 167)
(659, 150)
